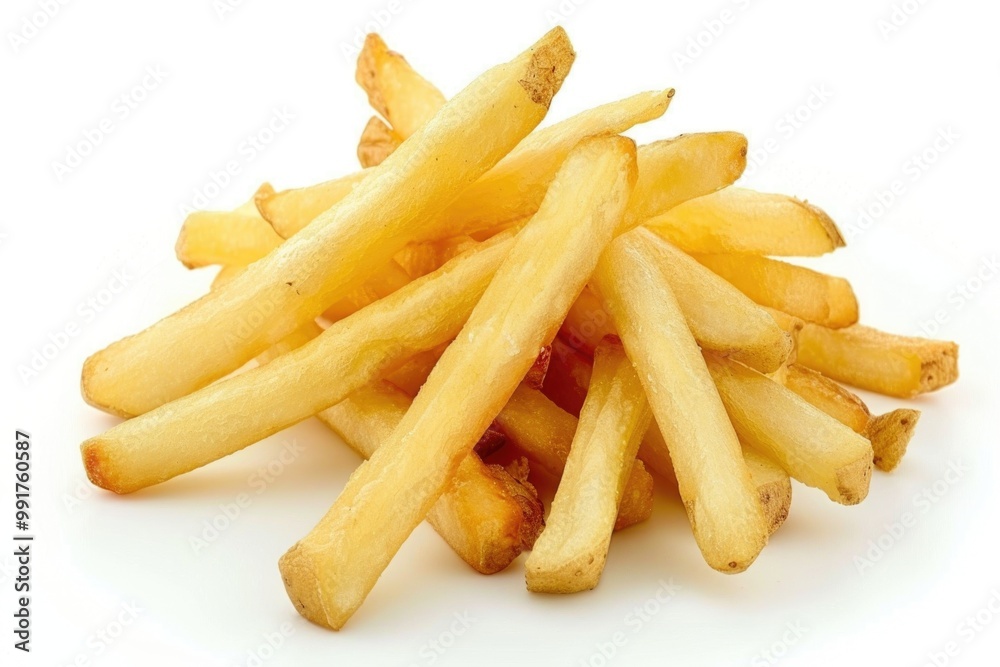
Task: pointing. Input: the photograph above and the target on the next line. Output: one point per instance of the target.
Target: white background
(886, 95)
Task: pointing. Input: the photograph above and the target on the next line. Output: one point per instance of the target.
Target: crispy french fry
(900, 366)
(514, 188)
(403, 97)
(238, 411)
(825, 394)
(737, 220)
(329, 573)
(486, 515)
(543, 432)
(807, 294)
(226, 237)
(890, 434)
(293, 284)
(774, 488)
(570, 553)
(720, 317)
(377, 142)
(713, 479)
(813, 447)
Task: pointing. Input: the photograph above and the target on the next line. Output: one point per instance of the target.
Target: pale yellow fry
(570, 553)
(294, 283)
(486, 515)
(377, 142)
(774, 488)
(226, 416)
(890, 435)
(900, 366)
(329, 573)
(822, 392)
(813, 447)
(712, 476)
(224, 238)
(737, 220)
(807, 294)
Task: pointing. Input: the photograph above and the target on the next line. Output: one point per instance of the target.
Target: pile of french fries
(594, 310)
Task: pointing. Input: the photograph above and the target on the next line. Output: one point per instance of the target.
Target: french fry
(792, 326)
(377, 142)
(294, 283)
(226, 416)
(828, 396)
(487, 516)
(403, 97)
(713, 479)
(568, 377)
(380, 284)
(813, 447)
(720, 317)
(570, 553)
(226, 237)
(807, 294)
(543, 432)
(329, 573)
(774, 488)
(890, 434)
(885, 363)
(737, 220)
(514, 188)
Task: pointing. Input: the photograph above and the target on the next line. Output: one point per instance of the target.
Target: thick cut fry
(294, 283)
(737, 220)
(329, 573)
(543, 432)
(380, 284)
(238, 411)
(514, 188)
(377, 142)
(403, 97)
(890, 434)
(813, 447)
(885, 363)
(807, 294)
(713, 479)
(774, 488)
(226, 237)
(570, 553)
(486, 516)
(825, 394)
(720, 317)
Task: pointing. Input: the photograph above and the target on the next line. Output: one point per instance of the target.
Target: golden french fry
(721, 318)
(570, 553)
(226, 416)
(825, 394)
(792, 326)
(807, 294)
(900, 366)
(226, 237)
(774, 488)
(543, 432)
(890, 434)
(377, 142)
(813, 447)
(294, 283)
(403, 97)
(380, 284)
(713, 479)
(486, 515)
(329, 573)
(737, 220)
